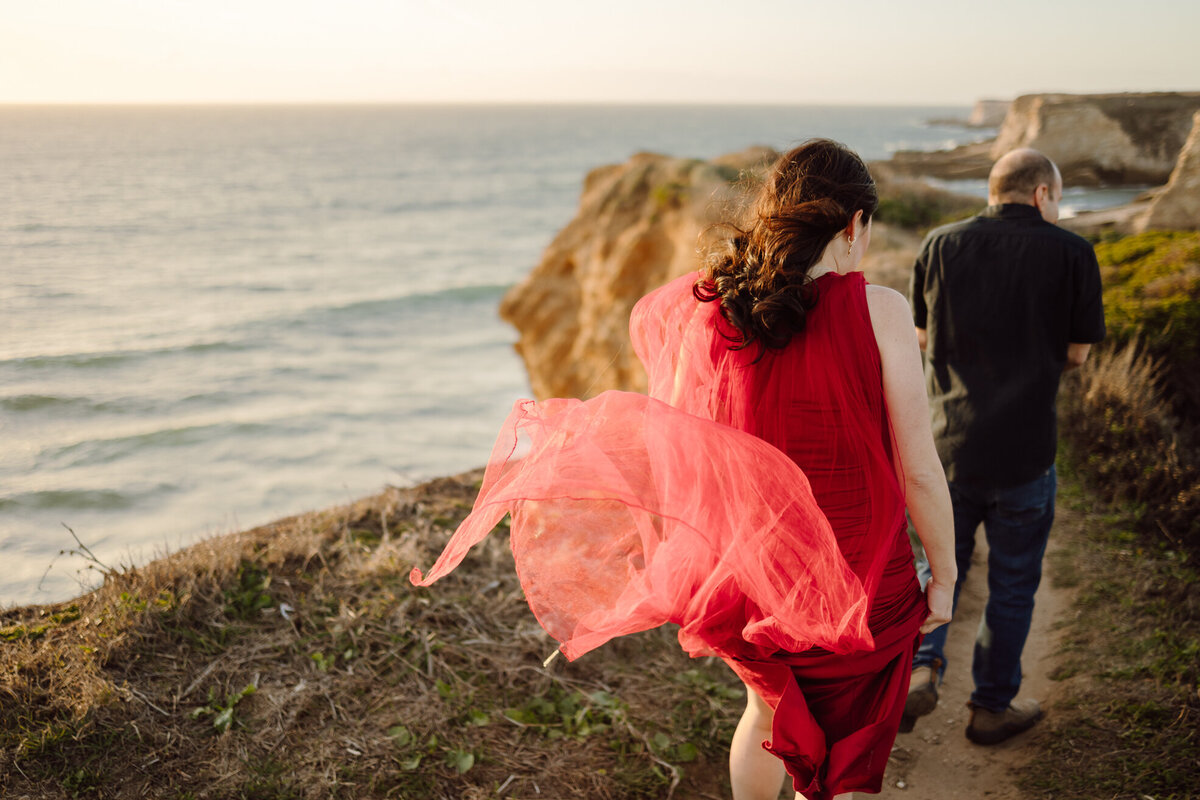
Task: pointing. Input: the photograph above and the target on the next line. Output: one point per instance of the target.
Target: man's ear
(1040, 195)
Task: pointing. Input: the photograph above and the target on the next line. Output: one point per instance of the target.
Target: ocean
(212, 317)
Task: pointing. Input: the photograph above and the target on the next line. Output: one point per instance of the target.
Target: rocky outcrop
(639, 224)
(1178, 204)
(988, 113)
(1096, 139)
(1102, 139)
(962, 163)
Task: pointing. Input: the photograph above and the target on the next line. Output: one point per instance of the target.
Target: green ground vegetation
(913, 204)
(1131, 415)
(1127, 722)
(1152, 300)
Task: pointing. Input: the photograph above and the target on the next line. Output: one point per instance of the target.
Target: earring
(850, 245)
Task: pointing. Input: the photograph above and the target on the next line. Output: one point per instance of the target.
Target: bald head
(1028, 177)
(1017, 175)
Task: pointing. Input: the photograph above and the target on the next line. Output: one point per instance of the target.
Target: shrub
(1131, 414)
(1123, 434)
(917, 206)
(1152, 294)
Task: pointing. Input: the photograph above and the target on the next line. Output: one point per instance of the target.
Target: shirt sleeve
(916, 288)
(1087, 308)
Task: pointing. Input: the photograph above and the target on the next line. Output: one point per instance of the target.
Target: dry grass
(1130, 446)
(296, 661)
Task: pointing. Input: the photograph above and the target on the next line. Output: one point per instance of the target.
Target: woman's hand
(940, 599)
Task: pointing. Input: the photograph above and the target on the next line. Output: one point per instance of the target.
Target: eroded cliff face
(639, 225)
(1102, 139)
(1096, 139)
(1178, 205)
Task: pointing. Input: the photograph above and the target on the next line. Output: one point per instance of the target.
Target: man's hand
(941, 605)
(1077, 353)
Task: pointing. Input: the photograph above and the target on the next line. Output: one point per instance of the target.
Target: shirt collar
(1011, 211)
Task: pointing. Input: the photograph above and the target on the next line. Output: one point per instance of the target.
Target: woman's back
(819, 400)
(829, 385)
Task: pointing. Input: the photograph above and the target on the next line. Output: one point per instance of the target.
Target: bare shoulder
(887, 306)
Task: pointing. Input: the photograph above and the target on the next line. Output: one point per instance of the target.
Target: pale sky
(754, 51)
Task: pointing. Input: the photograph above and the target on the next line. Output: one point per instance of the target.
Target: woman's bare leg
(754, 773)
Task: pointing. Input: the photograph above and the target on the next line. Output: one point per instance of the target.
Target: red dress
(754, 504)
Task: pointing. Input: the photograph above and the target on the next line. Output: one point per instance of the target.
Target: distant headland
(1096, 139)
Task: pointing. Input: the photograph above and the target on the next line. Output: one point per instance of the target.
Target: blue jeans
(1017, 524)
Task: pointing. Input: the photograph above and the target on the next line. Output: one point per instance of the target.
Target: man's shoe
(922, 696)
(993, 727)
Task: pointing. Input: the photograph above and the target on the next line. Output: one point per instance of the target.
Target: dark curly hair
(760, 273)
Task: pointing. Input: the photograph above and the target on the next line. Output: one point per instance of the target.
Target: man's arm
(1077, 353)
(923, 337)
(916, 296)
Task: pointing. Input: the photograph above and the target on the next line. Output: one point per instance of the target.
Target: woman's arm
(925, 489)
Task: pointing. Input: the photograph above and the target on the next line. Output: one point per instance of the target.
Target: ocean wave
(58, 228)
(37, 402)
(424, 301)
(110, 358)
(121, 406)
(80, 499)
(92, 452)
(427, 206)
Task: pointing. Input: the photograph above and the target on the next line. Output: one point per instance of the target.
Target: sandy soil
(935, 761)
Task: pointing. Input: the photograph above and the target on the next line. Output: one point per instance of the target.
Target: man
(1003, 304)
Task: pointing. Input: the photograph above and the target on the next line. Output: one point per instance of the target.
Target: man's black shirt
(1000, 296)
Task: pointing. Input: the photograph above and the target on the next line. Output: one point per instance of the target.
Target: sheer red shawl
(631, 511)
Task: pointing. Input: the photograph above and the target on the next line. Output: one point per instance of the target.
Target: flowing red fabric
(819, 400)
(622, 520)
(752, 501)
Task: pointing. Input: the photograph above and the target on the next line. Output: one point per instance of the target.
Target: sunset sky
(699, 51)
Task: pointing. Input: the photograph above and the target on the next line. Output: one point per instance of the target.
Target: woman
(827, 369)
(760, 504)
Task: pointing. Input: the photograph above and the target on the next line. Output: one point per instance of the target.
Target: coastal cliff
(639, 224)
(1178, 204)
(1097, 139)
(1105, 138)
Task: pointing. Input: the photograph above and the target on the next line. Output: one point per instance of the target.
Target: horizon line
(489, 103)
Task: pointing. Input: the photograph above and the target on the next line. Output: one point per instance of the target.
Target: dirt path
(935, 761)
